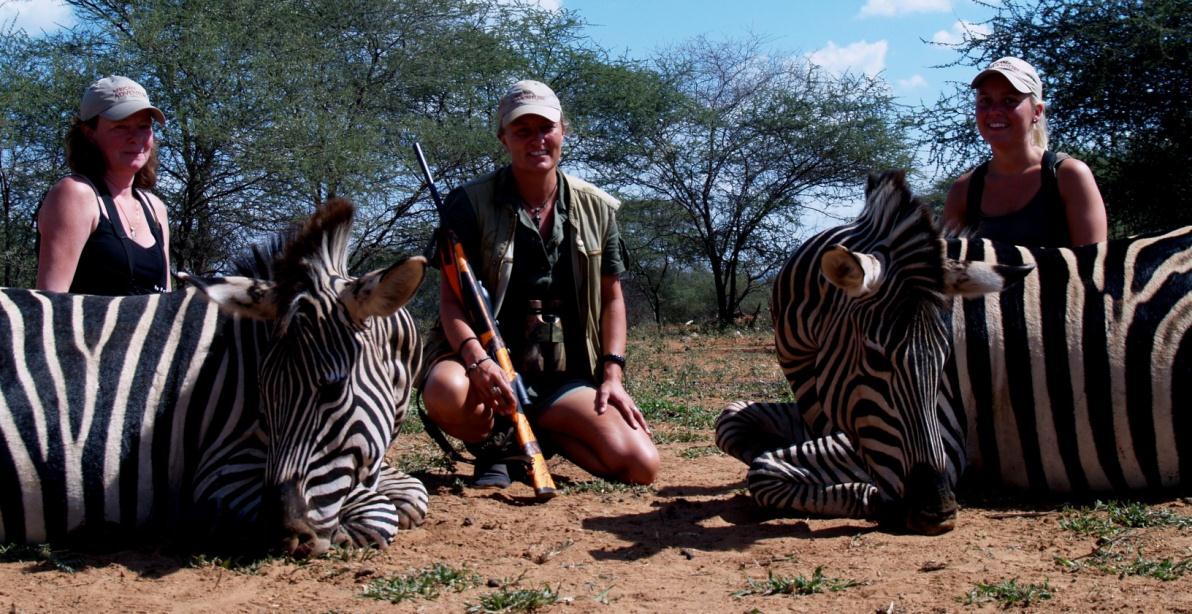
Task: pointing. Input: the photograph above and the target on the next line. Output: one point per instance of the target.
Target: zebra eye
(875, 357)
(332, 388)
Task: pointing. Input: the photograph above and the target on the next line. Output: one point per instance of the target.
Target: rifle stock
(471, 294)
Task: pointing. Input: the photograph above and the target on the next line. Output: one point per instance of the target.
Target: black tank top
(1042, 222)
(112, 264)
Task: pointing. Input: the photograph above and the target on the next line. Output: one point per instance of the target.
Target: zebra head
(336, 362)
(869, 323)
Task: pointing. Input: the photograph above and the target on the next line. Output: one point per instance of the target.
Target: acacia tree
(1116, 76)
(740, 143)
(40, 84)
(276, 105)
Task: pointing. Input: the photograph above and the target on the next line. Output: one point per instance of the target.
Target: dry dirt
(685, 545)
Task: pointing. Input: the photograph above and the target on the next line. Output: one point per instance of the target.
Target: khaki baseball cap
(529, 97)
(116, 98)
(1020, 75)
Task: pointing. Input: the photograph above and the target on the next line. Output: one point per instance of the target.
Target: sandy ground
(691, 543)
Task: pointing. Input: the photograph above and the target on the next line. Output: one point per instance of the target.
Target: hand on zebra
(612, 392)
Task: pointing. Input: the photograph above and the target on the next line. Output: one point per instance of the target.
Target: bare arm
(953, 218)
(160, 209)
(68, 216)
(462, 337)
(1085, 210)
(612, 340)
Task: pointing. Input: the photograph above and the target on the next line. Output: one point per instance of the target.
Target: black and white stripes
(914, 357)
(162, 412)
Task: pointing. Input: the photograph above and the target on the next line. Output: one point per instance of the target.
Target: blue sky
(870, 36)
(876, 37)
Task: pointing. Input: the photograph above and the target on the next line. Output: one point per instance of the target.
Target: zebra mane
(296, 258)
(899, 228)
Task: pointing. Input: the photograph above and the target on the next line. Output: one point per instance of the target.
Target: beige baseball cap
(1020, 75)
(529, 96)
(115, 98)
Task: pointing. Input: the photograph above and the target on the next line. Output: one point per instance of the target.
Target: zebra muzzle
(285, 515)
(929, 502)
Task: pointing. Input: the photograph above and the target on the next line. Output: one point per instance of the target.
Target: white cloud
(959, 30)
(36, 16)
(861, 56)
(890, 8)
(913, 83)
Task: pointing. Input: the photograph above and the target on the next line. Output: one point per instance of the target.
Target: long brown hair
(84, 158)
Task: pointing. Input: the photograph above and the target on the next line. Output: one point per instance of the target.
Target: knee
(639, 465)
(446, 397)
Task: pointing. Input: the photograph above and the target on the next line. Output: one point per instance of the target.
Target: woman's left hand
(612, 392)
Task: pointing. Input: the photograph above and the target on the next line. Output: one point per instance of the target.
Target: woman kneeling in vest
(547, 247)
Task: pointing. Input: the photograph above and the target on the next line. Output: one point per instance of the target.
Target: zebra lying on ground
(258, 406)
(1072, 377)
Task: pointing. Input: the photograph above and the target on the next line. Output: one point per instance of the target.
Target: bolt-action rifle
(471, 294)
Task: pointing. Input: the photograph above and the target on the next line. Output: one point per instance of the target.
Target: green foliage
(426, 583)
(798, 585)
(1008, 593)
(1115, 76)
(741, 140)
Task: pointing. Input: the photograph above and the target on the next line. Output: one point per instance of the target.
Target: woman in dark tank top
(1025, 194)
(100, 230)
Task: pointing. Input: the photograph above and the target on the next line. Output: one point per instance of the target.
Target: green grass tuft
(604, 487)
(509, 599)
(425, 583)
(1008, 593)
(798, 585)
(1111, 518)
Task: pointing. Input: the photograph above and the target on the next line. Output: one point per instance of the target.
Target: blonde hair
(1039, 129)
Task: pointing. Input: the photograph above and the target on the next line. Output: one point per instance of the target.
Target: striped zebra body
(238, 407)
(915, 357)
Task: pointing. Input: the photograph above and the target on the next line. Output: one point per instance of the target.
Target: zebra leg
(406, 493)
(373, 517)
(745, 430)
(824, 476)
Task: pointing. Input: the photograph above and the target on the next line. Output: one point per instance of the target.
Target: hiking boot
(498, 458)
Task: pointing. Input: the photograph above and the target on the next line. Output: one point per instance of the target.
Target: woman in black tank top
(100, 231)
(1025, 194)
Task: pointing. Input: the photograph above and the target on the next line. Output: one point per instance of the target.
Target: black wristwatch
(616, 359)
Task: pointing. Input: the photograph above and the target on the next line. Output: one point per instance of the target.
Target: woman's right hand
(491, 386)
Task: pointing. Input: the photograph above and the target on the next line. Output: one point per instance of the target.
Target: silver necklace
(536, 212)
(132, 229)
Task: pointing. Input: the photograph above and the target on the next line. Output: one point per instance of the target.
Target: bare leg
(451, 404)
(602, 444)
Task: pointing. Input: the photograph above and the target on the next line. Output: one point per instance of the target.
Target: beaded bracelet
(476, 365)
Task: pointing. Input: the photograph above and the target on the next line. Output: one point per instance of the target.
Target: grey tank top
(1042, 222)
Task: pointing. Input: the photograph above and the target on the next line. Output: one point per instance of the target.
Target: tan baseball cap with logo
(1020, 75)
(116, 98)
(528, 96)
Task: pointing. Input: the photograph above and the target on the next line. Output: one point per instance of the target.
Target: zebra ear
(968, 279)
(383, 292)
(857, 274)
(243, 296)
